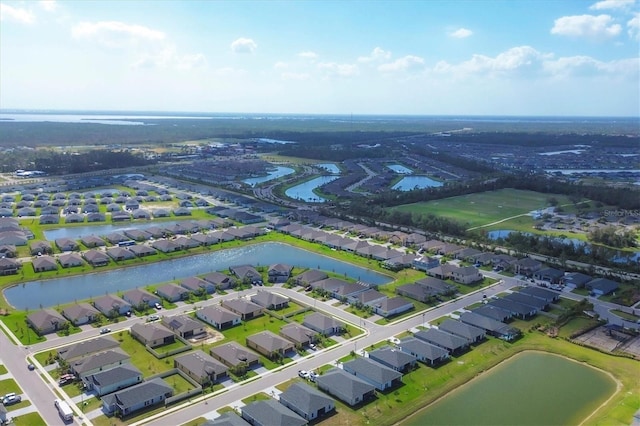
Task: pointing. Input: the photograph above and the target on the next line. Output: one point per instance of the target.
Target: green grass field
(485, 207)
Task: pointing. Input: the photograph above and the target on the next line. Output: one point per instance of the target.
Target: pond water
(77, 232)
(62, 290)
(532, 388)
(304, 191)
(408, 183)
(330, 167)
(276, 173)
(400, 169)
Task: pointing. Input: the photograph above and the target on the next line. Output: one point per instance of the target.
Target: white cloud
(633, 27)
(244, 45)
(461, 33)
(376, 55)
(10, 13)
(168, 57)
(116, 34)
(49, 5)
(509, 61)
(308, 55)
(406, 63)
(588, 66)
(612, 4)
(590, 26)
(341, 70)
(280, 65)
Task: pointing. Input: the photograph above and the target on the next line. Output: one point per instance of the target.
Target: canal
(46, 293)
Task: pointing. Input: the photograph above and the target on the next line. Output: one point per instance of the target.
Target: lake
(76, 232)
(304, 191)
(330, 167)
(531, 388)
(408, 183)
(400, 169)
(276, 173)
(47, 293)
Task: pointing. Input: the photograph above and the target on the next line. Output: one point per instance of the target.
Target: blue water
(400, 169)
(304, 191)
(408, 183)
(77, 232)
(36, 294)
(330, 167)
(278, 172)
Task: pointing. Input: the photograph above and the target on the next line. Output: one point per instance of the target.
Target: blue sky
(513, 57)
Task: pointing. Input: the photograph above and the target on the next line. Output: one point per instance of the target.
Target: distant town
(284, 270)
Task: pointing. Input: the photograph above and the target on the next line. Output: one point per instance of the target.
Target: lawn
(3, 370)
(486, 207)
(9, 386)
(625, 315)
(30, 419)
(178, 383)
(16, 322)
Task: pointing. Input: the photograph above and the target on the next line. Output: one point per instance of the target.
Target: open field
(486, 207)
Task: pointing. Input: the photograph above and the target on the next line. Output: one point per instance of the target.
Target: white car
(153, 318)
(158, 306)
(303, 373)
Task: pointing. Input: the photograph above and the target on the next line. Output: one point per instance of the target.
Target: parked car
(303, 373)
(153, 318)
(105, 331)
(158, 306)
(11, 399)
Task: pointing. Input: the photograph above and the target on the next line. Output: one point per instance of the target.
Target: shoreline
(617, 382)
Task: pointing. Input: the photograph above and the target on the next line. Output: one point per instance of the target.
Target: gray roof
(45, 318)
(540, 293)
(115, 375)
(150, 332)
(218, 314)
(234, 353)
(98, 360)
(87, 347)
(319, 321)
(138, 296)
(485, 323)
(108, 302)
(79, 310)
(305, 398)
(230, 418)
(442, 339)
(602, 284)
(513, 307)
(201, 364)
(297, 333)
(271, 413)
(182, 323)
(393, 357)
(422, 348)
(458, 328)
(372, 370)
(493, 312)
(343, 384)
(270, 341)
(242, 306)
(526, 300)
(172, 290)
(136, 394)
(267, 298)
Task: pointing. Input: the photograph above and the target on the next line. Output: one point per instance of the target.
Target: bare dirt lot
(610, 341)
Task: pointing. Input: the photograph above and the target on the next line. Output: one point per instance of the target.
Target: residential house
(515, 309)
(378, 375)
(219, 280)
(538, 304)
(601, 286)
(66, 244)
(96, 258)
(99, 361)
(452, 343)
(113, 380)
(270, 300)
(503, 262)
(172, 292)
(81, 313)
(306, 401)
(120, 254)
(70, 260)
(246, 274)
(369, 297)
(111, 306)
(269, 344)
(184, 326)
(40, 247)
(541, 293)
(44, 263)
(279, 273)
(198, 285)
(242, 307)
(46, 321)
(140, 299)
(493, 312)
(298, 334)
(417, 292)
(152, 334)
(527, 266)
(576, 279)
(200, 367)
(134, 398)
(86, 347)
(92, 241)
(424, 352)
(310, 276)
(141, 250)
(320, 323)
(492, 326)
(8, 266)
(270, 413)
(549, 275)
(165, 246)
(218, 316)
(393, 306)
(468, 332)
(439, 286)
(394, 358)
(442, 272)
(346, 387)
(233, 354)
(466, 274)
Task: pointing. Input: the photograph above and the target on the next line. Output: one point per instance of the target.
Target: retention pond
(531, 388)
